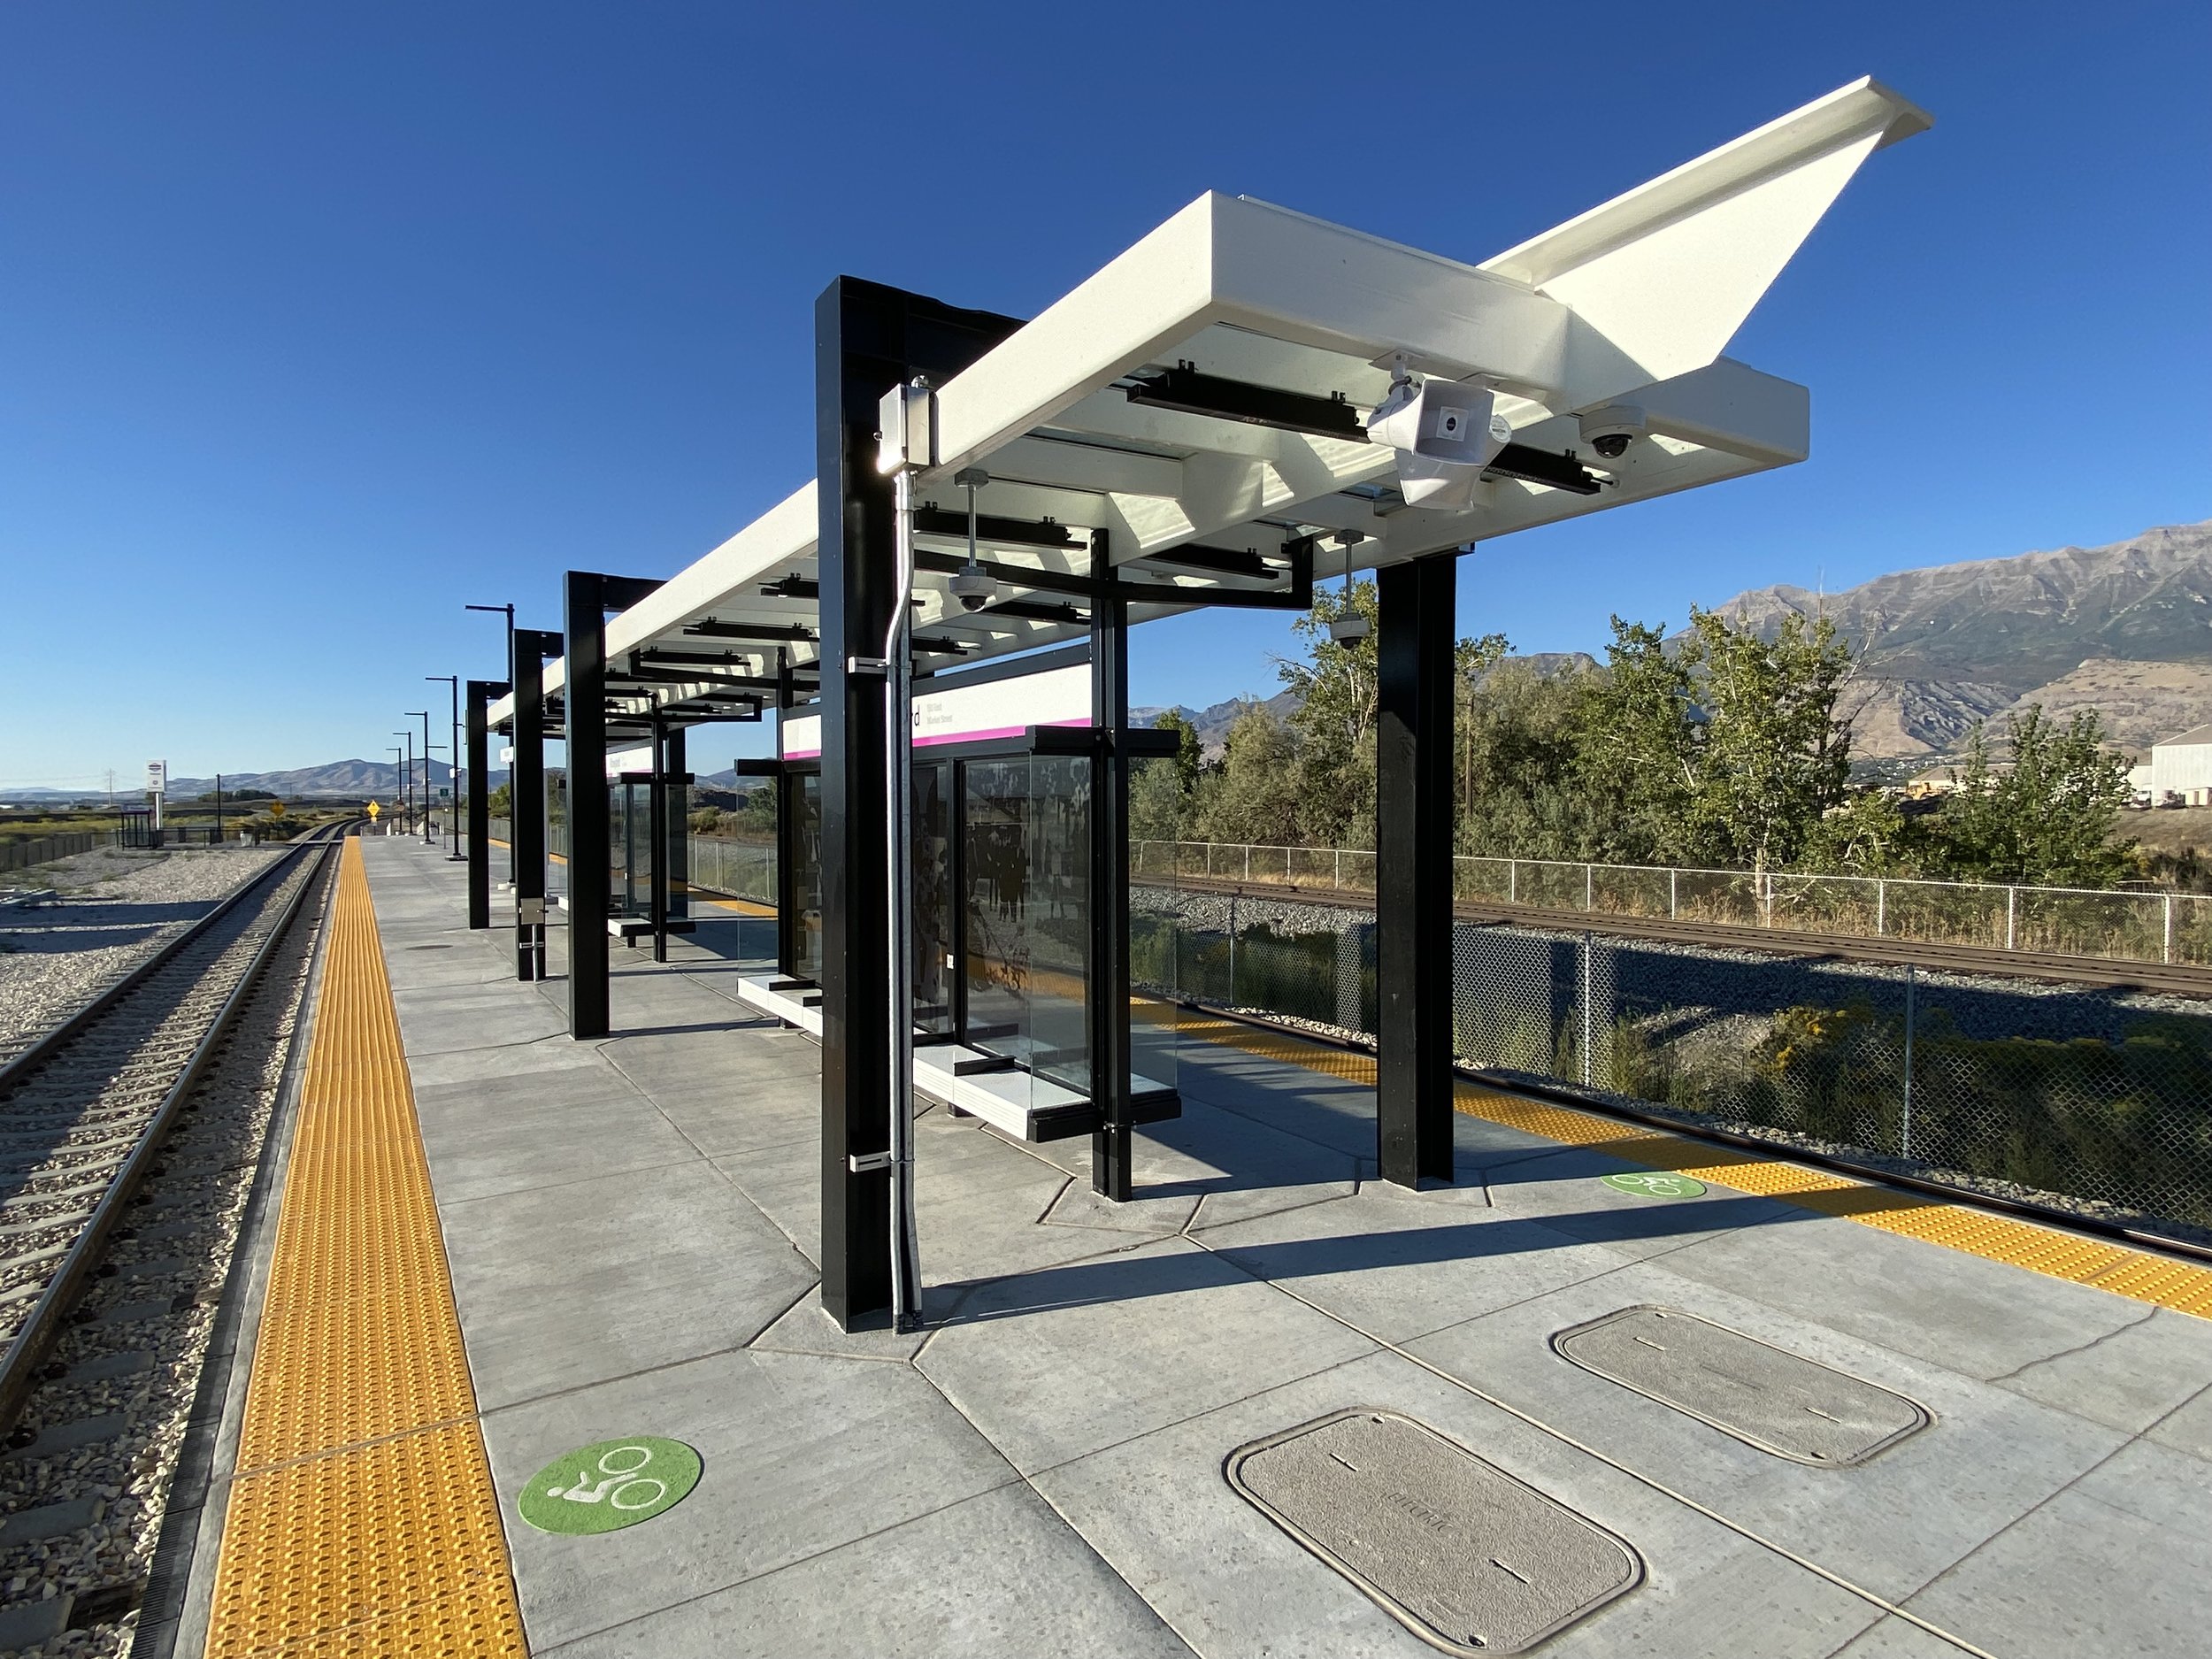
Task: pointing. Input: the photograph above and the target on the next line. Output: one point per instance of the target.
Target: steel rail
(1778, 1151)
(44, 1323)
(30, 1058)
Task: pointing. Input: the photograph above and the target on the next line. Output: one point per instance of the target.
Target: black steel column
(479, 850)
(656, 842)
(1413, 870)
(867, 338)
(786, 786)
(1107, 991)
(525, 790)
(676, 892)
(591, 878)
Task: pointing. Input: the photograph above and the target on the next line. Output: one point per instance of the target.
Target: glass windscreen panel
(1025, 849)
(806, 874)
(994, 854)
(934, 967)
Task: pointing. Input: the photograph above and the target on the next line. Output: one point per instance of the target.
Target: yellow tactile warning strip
(362, 1516)
(2121, 1268)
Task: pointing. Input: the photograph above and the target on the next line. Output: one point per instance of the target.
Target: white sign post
(157, 785)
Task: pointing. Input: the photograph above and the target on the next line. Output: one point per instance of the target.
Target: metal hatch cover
(1462, 1555)
(1763, 1395)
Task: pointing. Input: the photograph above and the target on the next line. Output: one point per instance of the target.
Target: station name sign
(972, 713)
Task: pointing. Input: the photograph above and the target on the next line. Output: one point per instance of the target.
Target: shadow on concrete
(1124, 1278)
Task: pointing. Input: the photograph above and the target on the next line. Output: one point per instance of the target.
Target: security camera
(973, 587)
(1610, 430)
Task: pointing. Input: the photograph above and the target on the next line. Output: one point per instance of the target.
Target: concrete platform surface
(631, 1225)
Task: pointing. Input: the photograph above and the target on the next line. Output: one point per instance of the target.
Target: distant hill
(346, 778)
(2126, 629)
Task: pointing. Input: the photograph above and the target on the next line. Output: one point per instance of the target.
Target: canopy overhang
(1190, 419)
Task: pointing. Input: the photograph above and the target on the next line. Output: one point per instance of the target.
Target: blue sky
(318, 322)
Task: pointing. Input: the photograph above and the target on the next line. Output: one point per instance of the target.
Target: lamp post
(407, 781)
(429, 829)
(453, 772)
(514, 857)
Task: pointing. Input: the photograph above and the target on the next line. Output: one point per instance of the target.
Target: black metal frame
(588, 596)
(482, 692)
(1413, 870)
(868, 339)
(526, 792)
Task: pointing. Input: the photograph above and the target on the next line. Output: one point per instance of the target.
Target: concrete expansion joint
(2144, 1317)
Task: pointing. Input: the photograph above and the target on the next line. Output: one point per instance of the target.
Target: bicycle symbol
(1655, 1186)
(610, 1484)
(620, 1486)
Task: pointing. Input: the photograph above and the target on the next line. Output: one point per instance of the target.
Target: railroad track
(84, 1112)
(2176, 979)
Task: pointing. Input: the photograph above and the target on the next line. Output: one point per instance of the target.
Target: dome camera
(1610, 430)
(973, 587)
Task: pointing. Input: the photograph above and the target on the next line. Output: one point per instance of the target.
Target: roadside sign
(156, 777)
(276, 808)
(375, 811)
(611, 1485)
(1653, 1185)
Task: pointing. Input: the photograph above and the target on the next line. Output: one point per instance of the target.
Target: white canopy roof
(1631, 302)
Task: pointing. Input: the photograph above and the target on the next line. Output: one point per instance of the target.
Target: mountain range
(2125, 629)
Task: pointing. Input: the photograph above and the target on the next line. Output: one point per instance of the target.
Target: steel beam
(1413, 870)
(868, 339)
(525, 791)
(480, 693)
(590, 886)
(1107, 991)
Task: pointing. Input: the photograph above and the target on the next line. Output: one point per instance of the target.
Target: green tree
(1639, 765)
(1772, 758)
(500, 802)
(2046, 818)
(1161, 791)
(1339, 690)
(1254, 795)
(1518, 744)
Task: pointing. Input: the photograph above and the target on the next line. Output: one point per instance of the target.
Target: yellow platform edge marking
(362, 1516)
(2124, 1270)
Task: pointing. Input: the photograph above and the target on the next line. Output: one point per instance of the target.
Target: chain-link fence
(2132, 927)
(2093, 1095)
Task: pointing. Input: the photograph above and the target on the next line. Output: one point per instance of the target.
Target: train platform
(1715, 1405)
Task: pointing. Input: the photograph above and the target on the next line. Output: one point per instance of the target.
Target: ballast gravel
(165, 1274)
(114, 908)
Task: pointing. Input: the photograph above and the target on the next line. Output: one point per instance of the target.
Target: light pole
(453, 772)
(508, 611)
(429, 829)
(396, 752)
(407, 781)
